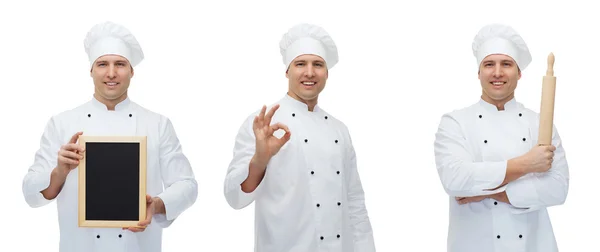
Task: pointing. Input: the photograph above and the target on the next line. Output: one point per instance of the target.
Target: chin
(309, 97)
(112, 96)
(500, 98)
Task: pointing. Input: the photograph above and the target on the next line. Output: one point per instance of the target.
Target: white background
(209, 64)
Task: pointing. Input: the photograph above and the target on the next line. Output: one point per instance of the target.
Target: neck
(498, 103)
(310, 103)
(110, 104)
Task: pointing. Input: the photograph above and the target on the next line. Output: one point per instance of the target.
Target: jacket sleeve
(459, 174)
(238, 169)
(359, 217)
(37, 178)
(539, 190)
(181, 188)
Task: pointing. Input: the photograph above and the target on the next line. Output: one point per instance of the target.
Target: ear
(286, 74)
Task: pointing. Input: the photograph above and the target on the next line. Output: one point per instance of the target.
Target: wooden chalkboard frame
(142, 140)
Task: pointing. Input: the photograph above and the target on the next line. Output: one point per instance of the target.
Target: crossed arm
(537, 179)
(515, 168)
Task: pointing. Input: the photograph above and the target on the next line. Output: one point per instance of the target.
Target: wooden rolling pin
(547, 106)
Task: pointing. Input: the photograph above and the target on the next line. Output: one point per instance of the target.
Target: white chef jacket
(311, 197)
(166, 166)
(472, 147)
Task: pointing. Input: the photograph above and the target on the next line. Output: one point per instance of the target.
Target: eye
(299, 64)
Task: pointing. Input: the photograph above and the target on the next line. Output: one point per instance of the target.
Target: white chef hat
(110, 38)
(308, 39)
(501, 39)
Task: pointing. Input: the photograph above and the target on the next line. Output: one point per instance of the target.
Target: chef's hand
(466, 200)
(539, 158)
(69, 155)
(149, 213)
(267, 145)
(501, 196)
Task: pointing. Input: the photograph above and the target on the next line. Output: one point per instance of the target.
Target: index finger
(72, 147)
(270, 114)
(75, 137)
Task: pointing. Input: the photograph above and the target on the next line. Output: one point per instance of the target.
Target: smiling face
(111, 75)
(498, 74)
(307, 76)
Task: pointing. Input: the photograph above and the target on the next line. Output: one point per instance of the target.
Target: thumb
(281, 141)
(285, 138)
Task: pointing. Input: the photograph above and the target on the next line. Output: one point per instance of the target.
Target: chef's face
(307, 75)
(498, 74)
(111, 74)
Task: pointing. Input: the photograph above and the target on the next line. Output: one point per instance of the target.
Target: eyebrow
(106, 61)
(304, 61)
(502, 61)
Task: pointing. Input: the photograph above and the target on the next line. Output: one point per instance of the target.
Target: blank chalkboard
(112, 181)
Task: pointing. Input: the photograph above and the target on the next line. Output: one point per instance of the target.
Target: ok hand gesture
(267, 145)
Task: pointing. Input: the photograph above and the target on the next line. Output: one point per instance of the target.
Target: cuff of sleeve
(176, 199)
(42, 181)
(171, 211)
(491, 176)
(238, 198)
(522, 194)
(162, 220)
(38, 184)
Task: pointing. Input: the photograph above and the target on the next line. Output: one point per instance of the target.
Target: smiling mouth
(308, 83)
(111, 84)
(498, 83)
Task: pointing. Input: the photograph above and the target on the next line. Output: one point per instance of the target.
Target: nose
(112, 71)
(497, 72)
(310, 72)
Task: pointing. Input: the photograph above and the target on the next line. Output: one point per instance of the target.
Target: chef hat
(110, 38)
(501, 39)
(308, 39)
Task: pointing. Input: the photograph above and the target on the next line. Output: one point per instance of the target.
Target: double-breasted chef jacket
(472, 147)
(311, 197)
(169, 174)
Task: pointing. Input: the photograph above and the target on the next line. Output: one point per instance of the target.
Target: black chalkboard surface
(112, 181)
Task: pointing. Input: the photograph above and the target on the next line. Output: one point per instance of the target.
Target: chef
(113, 53)
(500, 181)
(297, 162)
